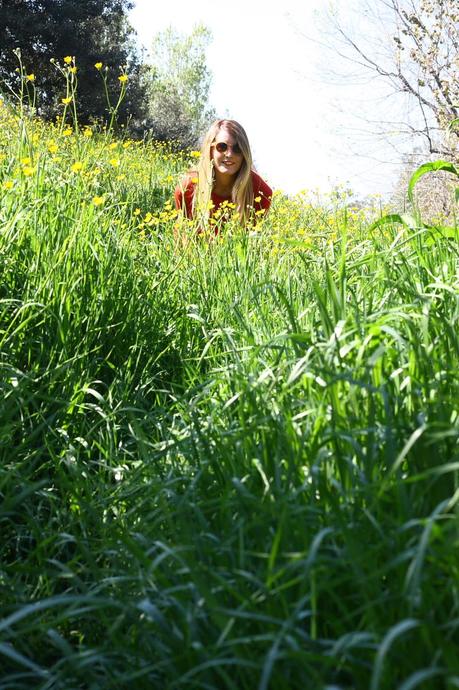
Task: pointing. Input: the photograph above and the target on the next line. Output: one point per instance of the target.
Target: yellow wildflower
(195, 154)
(123, 78)
(98, 200)
(73, 70)
(28, 170)
(30, 77)
(77, 166)
(87, 132)
(115, 162)
(67, 132)
(98, 65)
(67, 100)
(136, 212)
(8, 184)
(26, 161)
(52, 147)
(68, 59)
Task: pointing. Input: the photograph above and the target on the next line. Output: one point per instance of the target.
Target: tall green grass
(231, 464)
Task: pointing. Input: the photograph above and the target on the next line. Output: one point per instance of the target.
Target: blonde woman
(224, 174)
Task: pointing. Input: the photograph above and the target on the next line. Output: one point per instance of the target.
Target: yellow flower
(67, 132)
(195, 154)
(67, 100)
(121, 177)
(27, 170)
(30, 77)
(68, 59)
(98, 200)
(115, 162)
(123, 78)
(73, 70)
(8, 184)
(26, 161)
(87, 132)
(136, 212)
(77, 166)
(257, 199)
(98, 65)
(195, 181)
(52, 147)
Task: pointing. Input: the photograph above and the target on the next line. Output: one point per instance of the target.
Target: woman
(224, 174)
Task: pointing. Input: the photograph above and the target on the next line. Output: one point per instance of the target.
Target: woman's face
(226, 154)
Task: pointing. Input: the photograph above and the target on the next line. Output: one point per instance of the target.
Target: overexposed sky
(269, 77)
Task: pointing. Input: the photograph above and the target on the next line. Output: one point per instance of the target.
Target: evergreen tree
(92, 31)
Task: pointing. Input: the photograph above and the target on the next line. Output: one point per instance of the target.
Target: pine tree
(92, 31)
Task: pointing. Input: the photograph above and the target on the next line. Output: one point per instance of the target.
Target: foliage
(414, 220)
(92, 30)
(179, 86)
(434, 195)
(225, 463)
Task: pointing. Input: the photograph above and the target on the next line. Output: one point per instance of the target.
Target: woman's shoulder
(188, 181)
(260, 185)
(184, 192)
(261, 191)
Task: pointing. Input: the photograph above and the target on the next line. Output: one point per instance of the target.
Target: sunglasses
(222, 146)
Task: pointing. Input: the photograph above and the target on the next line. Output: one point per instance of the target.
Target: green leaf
(429, 167)
(392, 218)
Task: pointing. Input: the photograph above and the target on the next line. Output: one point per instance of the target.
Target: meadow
(230, 463)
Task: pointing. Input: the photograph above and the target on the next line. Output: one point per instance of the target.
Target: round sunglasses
(222, 146)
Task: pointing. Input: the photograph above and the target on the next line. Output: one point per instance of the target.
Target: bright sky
(267, 75)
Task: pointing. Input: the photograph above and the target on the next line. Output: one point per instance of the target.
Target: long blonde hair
(242, 192)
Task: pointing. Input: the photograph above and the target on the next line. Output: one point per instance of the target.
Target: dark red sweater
(185, 193)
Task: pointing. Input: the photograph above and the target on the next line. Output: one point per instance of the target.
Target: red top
(186, 192)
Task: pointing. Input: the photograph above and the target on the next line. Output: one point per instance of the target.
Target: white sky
(267, 75)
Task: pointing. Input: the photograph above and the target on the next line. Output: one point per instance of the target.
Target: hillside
(229, 464)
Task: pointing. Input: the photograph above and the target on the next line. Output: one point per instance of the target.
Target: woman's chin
(227, 169)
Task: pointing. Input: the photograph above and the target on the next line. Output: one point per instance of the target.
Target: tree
(91, 31)
(179, 84)
(413, 47)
